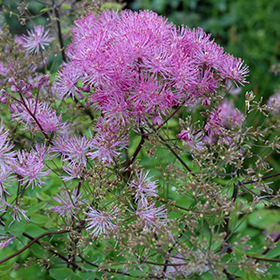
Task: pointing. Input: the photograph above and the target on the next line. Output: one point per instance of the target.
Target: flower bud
(206, 101)
(3, 99)
(157, 121)
(12, 108)
(11, 81)
(85, 88)
(30, 87)
(19, 109)
(21, 83)
(80, 96)
(3, 92)
(13, 89)
(29, 94)
(46, 78)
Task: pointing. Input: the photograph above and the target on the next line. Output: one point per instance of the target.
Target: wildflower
(150, 215)
(108, 141)
(16, 212)
(5, 180)
(66, 80)
(30, 166)
(6, 240)
(274, 102)
(73, 148)
(69, 202)
(213, 125)
(191, 138)
(75, 170)
(37, 39)
(233, 69)
(44, 114)
(140, 66)
(7, 157)
(102, 222)
(229, 114)
(144, 187)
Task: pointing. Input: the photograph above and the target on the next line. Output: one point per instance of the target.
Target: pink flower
(36, 39)
(191, 138)
(31, 167)
(229, 114)
(66, 80)
(140, 66)
(101, 222)
(108, 142)
(151, 216)
(274, 102)
(7, 158)
(144, 187)
(73, 149)
(69, 202)
(45, 115)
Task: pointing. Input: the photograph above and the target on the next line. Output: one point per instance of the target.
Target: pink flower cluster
(139, 65)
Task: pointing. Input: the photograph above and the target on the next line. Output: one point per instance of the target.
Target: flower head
(30, 166)
(108, 142)
(139, 65)
(229, 114)
(7, 157)
(144, 187)
(151, 216)
(36, 39)
(101, 222)
(68, 203)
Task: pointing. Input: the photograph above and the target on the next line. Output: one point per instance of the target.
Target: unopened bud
(80, 96)
(13, 89)
(20, 109)
(47, 78)
(11, 81)
(21, 83)
(85, 88)
(29, 94)
(30, 87)
(12, 108)
(3, 92)
(3, 99)
(157, 121)
(206, 101)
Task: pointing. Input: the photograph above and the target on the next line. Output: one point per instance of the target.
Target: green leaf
(273, 252)
(7, 277)
(236, 271)
(42, 196)
(39, 219)
(251, 276)
(66, 7)
(86, 275)
(33, 230)
(263, 218)
(6, 267)
(61, 273)
(16, 228)
(274, 269)
(36, 207)
(46, 9)
(114, 6)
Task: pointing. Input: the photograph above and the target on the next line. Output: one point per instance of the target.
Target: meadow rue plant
(131, 161)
